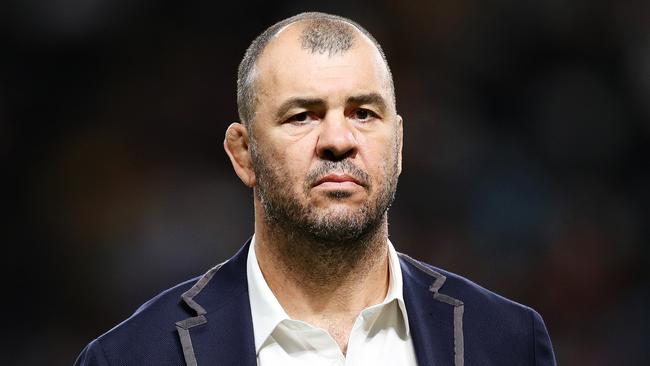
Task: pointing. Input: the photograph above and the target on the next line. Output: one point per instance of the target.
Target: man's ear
(400, 137)
(237, 147)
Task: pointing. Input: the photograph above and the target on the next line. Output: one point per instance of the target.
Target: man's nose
(337, 140)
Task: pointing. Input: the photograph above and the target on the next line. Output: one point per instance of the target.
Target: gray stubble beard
(313, 246)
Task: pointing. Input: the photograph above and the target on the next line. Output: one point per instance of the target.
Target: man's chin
(340, 211)
(341, 224)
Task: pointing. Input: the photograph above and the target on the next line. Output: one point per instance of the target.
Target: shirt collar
(395, 285)
(267, 313)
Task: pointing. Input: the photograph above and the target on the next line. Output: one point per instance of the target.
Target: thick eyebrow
(370, 98)
(306, 103)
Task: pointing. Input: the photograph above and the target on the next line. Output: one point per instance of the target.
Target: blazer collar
(436, 319)
(221, 332)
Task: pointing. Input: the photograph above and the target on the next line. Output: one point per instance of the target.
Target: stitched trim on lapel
(183, 326)
(439, 280)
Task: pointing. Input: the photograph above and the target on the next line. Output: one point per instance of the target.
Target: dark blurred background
(527, 130)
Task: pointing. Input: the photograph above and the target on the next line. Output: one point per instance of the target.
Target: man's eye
(299, 118)
(363, 114)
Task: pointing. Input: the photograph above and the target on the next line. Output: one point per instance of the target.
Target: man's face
(326, 143)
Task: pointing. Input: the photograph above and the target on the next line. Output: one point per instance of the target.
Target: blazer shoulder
(167, 306)
(495, 327)
(455, 285)
(148, 336)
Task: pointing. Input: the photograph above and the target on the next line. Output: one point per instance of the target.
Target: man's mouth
(337, 180)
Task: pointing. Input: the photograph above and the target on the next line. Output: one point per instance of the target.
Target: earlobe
(237, 146)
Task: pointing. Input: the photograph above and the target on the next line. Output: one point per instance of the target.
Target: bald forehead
(324, 37)
(318, 34)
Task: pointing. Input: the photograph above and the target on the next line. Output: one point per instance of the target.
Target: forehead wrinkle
(288, 39)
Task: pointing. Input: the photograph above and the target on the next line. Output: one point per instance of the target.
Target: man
(319, 283)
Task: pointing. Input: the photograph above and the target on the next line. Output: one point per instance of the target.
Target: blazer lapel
(435, 319)
(221, 332)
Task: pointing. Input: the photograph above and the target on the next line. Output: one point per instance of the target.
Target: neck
(314, 279)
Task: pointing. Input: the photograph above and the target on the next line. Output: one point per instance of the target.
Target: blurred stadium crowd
(527, 130)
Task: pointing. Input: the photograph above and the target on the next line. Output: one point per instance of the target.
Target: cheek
(293, 162)
(297, 151)
(379, 155)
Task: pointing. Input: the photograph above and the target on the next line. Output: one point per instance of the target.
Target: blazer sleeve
(542, 348)
(92, 355)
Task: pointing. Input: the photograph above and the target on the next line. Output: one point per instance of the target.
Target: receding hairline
(356, 37)
(260, 45)
(305, 24)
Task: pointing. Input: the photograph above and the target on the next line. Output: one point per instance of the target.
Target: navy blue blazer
(207, 321)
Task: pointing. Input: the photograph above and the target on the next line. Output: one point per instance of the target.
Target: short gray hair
(323, 34)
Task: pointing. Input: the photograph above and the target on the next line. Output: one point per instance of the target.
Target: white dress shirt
(380, 335)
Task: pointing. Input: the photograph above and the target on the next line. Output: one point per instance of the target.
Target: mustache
(342, 166)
